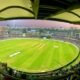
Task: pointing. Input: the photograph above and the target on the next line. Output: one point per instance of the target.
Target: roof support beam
(35, 5)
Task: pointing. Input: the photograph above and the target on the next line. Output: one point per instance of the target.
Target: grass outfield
(37, 55)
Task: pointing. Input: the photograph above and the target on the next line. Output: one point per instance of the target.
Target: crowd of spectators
(72, 73)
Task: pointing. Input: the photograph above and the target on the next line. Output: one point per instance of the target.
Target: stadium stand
(62, 74)
(61, 10)
(65, 73)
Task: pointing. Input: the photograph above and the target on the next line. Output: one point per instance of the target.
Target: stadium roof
(62, 10)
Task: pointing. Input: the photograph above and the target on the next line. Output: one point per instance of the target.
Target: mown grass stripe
(37, 54)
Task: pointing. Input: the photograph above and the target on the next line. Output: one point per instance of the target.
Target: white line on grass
(14, 54)
(56, 46)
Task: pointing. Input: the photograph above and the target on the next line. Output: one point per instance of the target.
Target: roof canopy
(63, 10)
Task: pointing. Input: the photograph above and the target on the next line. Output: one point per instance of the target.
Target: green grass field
(37, 55)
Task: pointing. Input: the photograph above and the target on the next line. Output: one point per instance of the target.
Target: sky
(38, 23)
